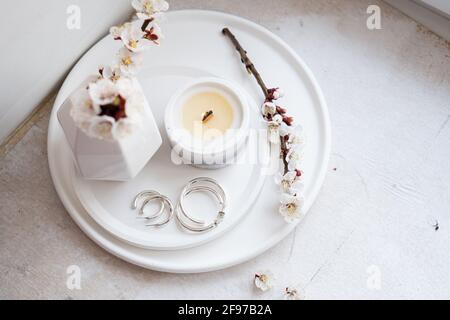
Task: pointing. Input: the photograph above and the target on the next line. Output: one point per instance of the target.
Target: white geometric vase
(116, 160)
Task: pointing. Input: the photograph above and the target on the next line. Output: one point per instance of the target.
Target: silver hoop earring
(146, 194)
(165, 206)
(168, 206)
(202, 184)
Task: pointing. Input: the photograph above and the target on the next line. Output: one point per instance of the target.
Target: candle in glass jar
(207, 114)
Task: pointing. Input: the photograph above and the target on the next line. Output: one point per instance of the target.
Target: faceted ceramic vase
(118, 160)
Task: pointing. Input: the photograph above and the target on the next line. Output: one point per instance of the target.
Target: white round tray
(194, 47)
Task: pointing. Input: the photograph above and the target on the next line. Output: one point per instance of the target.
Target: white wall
(441, 5)
(434, 14)
(38, 49)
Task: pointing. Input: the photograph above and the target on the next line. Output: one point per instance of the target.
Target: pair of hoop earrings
(184, 219)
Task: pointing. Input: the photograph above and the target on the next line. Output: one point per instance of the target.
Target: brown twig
(246, 61)
(252, 70)
(145, 24)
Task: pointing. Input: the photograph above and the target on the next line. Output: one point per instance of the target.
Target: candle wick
(206, 116)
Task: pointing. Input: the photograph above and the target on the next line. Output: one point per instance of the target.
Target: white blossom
(102, 127)
(147, 9)
(278, 119)
(125, 127)
(126, 88)
(102, 92)
(133, 38)
(293, 294)
(82, 110)
(289, 183)
(277, 93)
(295, 141)
(268, 109)
(273, 127)
(293, 159)
(291, 207)
(116, 31)
(274, 136)
(111, 107)
(135, 100)
(264, 280)
(112, 73)
(88, 114)
(295, 136)
(129, 62)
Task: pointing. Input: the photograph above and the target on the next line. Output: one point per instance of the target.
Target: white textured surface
(388, 92)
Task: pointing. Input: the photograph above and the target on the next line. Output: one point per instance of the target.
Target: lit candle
(207, 122)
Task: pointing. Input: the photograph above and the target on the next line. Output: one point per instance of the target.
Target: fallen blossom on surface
(293, 294)
(264, 280)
